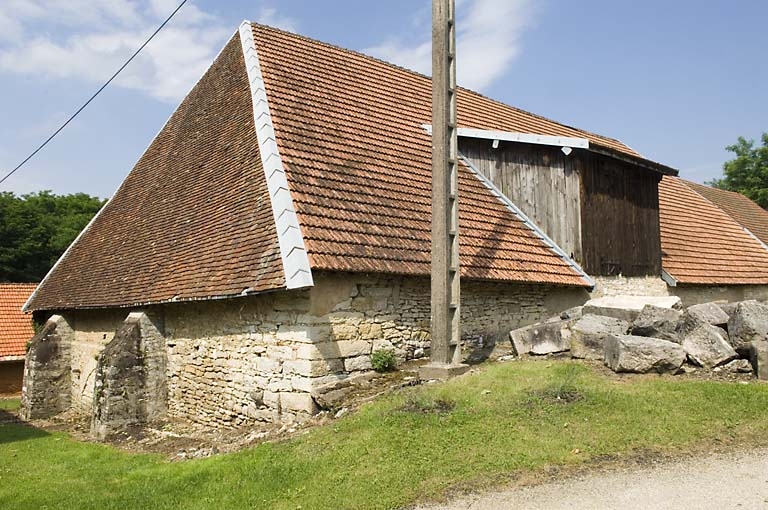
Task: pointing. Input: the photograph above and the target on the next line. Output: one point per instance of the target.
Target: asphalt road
(715, 482)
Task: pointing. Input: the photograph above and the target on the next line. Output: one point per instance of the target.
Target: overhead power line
(70, 119)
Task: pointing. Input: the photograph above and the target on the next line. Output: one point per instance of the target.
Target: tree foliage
(747, 173)
(36, 228)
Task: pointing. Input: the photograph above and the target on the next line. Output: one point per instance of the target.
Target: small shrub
(383, 360)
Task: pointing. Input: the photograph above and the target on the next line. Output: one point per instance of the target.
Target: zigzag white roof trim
(293, 252)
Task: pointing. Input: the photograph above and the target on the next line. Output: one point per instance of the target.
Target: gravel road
(714, 482)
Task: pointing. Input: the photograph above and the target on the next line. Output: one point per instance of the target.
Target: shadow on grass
(12, 429)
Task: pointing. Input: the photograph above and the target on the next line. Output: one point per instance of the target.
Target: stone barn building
(277, 231)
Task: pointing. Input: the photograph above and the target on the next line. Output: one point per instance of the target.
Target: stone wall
(629, 286)
(689, 294)
(257, 358)
(695, 294)
(93, 329)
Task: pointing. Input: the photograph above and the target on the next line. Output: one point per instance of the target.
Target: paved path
(718, 482)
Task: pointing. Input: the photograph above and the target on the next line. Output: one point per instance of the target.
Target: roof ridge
(465, 89)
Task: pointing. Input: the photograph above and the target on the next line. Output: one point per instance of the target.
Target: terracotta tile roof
(15, 326)
(191, 221)
(703, 245)
(349, 128)
(193, 218)
(737, 206)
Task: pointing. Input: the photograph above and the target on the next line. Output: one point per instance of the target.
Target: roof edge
(588, 281)
(26, 307)
(293, 251)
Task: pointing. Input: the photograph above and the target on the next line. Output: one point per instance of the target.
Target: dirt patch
(428, 406)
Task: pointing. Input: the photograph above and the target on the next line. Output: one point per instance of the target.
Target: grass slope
(507, 419)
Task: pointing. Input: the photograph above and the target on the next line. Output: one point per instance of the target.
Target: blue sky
(675, 80)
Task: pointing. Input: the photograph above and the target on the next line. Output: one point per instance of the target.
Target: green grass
(9, 404)
(511, 419)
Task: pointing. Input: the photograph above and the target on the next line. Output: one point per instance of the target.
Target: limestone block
(267, 365)
(298, 403)
(709, 313)
(344, 332)
(657, 322)
(303, 334)
(627, 353)
(759, 355)
(280, 385)
(706, 346)
(546, 338)
(628, 308)
(312, 368)
(325, 350)
(370, 331)
(271, 399)
(738, 366)
(589, 333)
(748, 324)
(300, 383)
(280, 352)
(358, 363)
(349, 349)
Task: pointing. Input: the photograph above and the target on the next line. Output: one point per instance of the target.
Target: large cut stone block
(709, 313)
(707, 347)
(748, 324)
(657, 322)
(590, 332)
(628, 308)
(759, 355)
(545, 338)
(638, 354)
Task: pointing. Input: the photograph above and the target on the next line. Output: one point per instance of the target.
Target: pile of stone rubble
(642, 334)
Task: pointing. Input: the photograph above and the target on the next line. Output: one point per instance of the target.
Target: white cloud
(88, 40)
(488, 40)
(270, 16)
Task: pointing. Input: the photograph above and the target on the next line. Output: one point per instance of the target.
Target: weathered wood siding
(540, 180)
(619, 217)
(603, 212)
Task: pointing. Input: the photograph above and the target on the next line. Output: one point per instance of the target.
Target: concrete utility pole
(445, 355)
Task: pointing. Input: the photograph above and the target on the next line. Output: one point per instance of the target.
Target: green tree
(36, 228)
(747, 173)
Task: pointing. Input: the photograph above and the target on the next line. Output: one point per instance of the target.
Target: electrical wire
(70, 119)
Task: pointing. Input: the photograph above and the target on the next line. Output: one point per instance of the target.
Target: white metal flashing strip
(509, 136)
(668, 278)
(527, 221)
(293, 252)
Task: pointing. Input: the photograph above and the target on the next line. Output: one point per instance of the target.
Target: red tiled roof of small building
(15, 326)
(701, 244)
(737, 206)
